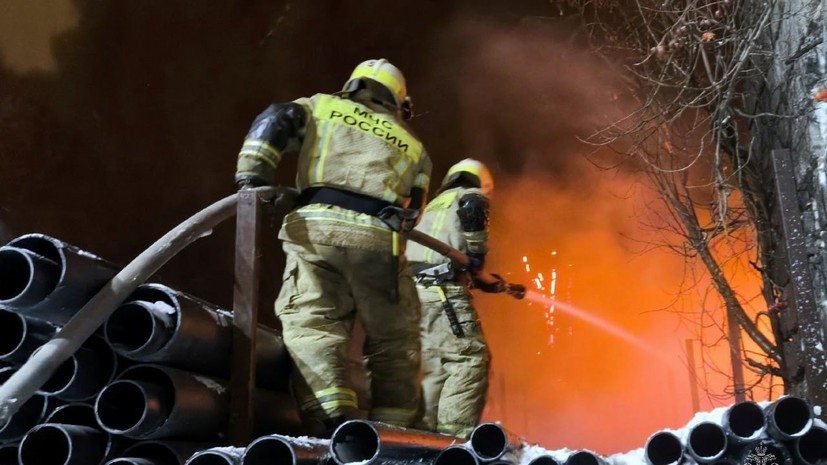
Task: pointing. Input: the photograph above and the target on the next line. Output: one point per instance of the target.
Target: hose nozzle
(515, 290)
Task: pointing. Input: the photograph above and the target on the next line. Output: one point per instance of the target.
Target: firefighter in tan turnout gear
(362, 177)
(455, 356)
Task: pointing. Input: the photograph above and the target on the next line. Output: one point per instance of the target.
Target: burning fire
(589, 359)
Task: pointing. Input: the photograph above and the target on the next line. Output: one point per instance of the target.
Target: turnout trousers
(325, 289)
(455, 369)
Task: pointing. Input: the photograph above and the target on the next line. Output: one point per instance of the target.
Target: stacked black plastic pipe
(150, 385)
(747, 432)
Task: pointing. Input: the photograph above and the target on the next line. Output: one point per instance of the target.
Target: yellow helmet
(384, 73)
(474, 168)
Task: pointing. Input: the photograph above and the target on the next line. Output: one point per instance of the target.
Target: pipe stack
(154, 377)
(490, 442)
(747, 432)
(161, 325)
(158, 453)
(48, 279)
(285, 450)
(155, 402)
(372, 442)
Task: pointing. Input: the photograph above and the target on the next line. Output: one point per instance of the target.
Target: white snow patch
(164, 307)
(211, 384)
(308, 441)
(86, 254)
(224, 318)
(234, 452)
(816, 421)
(531, 452)
(164, 312)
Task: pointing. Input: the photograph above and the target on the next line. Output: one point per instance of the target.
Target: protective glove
(475, 261)
(491, 288)
(247, 182)
(399, 219)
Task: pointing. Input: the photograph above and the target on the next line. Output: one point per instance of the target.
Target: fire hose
(463, 262)
(515, 290)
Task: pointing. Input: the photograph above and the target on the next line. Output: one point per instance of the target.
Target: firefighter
(455, 356)
(362, 178)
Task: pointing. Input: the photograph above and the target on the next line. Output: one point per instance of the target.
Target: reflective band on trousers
(394, 416)
(315, 212)
(331, 398)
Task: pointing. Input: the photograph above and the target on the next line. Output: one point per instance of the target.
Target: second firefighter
(455, 356)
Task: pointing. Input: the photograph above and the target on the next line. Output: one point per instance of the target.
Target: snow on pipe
(154, 402)
(585, 457)
(158, 324)
(217, 456)
(283, 450)
(20, 336)
(461, 455)
(707, 442)
(788, 418)
(29, 415)
(84, 374)
(490, 441)
(544, 459)
(372, 442)
(811, 448)
(46, 278)
(663, 448)
(744, 421)
(60, 444)
(81, 414)
(158, 453)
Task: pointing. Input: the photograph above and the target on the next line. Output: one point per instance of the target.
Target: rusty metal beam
(246, 299)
